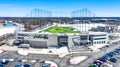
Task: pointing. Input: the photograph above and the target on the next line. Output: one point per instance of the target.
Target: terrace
(61, 29)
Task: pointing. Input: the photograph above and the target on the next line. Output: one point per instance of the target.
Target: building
(29, 22)
(38, 40)
(92, 38)
(107, 28)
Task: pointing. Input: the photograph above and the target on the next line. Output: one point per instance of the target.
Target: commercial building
(107, 28)
(38, 40)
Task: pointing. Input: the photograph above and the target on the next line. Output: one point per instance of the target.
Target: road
(62, 62)
(95, 55)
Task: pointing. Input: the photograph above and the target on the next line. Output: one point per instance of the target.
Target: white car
(11, 60)
(108, 65)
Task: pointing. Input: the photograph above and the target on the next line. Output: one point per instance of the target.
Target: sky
(20, 8)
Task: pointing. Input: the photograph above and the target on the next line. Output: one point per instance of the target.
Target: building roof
(84, 41)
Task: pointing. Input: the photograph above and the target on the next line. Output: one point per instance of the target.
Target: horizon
(20, 8)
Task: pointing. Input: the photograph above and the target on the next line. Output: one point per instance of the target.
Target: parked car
(17, 42)
(114, 60)
(106, 46)
(27, 65)
(18, 65)
(2, 65)
(45, 65)
(117, 51)
(10, 60)
(93, 65)
(97, 63)
(4, 61)
(111, 54)
(100, 61)
(104, 58)
(4, 43)
(24, 46)
(114, 43)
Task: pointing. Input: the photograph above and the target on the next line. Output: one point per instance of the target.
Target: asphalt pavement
(62, 62)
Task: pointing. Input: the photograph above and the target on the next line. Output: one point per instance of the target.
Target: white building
(38, 40)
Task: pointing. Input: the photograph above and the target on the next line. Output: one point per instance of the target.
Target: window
(103, 41)
(22, 35)
(99, 38)
(97, 42)
(94, 42)
(20, 38)
(100, 35)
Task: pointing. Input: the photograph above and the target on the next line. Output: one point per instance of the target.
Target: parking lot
(110, 58)
(116, 64)
(62, 62)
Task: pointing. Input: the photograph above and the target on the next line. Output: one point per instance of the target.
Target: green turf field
(60, 29)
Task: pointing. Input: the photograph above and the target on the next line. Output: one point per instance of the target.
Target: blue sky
(102, 8)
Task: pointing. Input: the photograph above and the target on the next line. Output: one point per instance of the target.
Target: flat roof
(85, 33)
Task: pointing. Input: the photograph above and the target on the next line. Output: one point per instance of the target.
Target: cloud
(5, 5)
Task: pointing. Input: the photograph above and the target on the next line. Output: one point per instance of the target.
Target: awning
(84, 41)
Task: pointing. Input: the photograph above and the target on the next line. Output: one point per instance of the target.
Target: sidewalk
(61, 52)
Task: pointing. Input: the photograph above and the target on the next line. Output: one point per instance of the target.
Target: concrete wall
(70, 41)
(52, 40)
(37, 43)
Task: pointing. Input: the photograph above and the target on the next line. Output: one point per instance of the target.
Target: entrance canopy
(85, 41)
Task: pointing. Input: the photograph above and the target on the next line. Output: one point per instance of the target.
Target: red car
(100, 61)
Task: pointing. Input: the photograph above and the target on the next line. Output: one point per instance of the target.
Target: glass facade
(100, 35)
(99, 38)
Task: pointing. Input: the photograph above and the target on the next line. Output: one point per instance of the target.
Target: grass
(60, 29)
